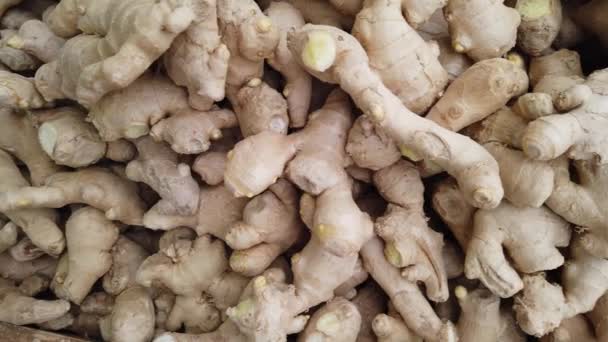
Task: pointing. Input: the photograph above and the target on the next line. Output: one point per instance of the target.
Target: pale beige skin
(99, 303)
(197, 314)
(322, 12)
(270, 225)
(598, 318)
(480, 91)
(14, 270)
(157, 166)
(530, 235)
(132, 318)
(18, 92)
(454, 63)
(35, 38)
(210, 167)
(577, 328)
(192, 132)
(392, 329)
(370, 302)
(34, 285)
(25, 250)
(369, 146)
(298, 87)
(540, 24)
(482, 29)
(15, 59)
(560, 63)
(503, 126)
(198, 59)
(113, 51)
(259, 108)
(250, 37)
(90, 237)
(405, 296)
(413, 72)
(189, 267)
(99, 188)
(8, 236)
(313, 158)
(449, 203)
(527, 182)
(20, 138)
(591, 17)
(348, 289)
(482, 319)
(68, 139)
(542, 306)
(120, 151)
(415, 11)
(476, 170)
(127, 256)
(577, 132)
(40, 225)
(227, 332)
(20, 309)
(582, 203)
(338, 320)
(409, 242)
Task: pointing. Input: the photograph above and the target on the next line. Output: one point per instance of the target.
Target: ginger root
(318, 48)
(540, 24)
(35, 38)
(21, 309)
(337, 320)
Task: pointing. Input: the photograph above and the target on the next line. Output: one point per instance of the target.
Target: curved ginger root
(18, 92)
(40, 225)
(298, 87)
(20, 309)
(68, 139)
(410, 243)
(482, 29)
(90, 237)
(405, 296)
(338, 320)
(99, 188)
(480, 91)
(20, 138)
(114, 49)
(582, 203)
(477, 172)
(269, 227)
(541, 306)
(482, 319)
(530, 235)
(157, 166)
(198, 60)
(413, 72)
(578, 132)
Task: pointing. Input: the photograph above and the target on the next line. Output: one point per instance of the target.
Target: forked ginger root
(477, 172)
(409, 242)
(97, 187)
(20, 309)
(127, 256)
(197, 314)
(482, 29)
(198, 59)
(35, 38)
(111, 53)
(90, 237)
(542, 306)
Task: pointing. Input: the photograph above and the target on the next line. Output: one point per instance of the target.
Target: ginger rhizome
(414, 75)
(318, 48)
(482, 29)
(21, 309)
(198, 59)
(90, 237)
(97, 187)
(114, 48)
(540, 24)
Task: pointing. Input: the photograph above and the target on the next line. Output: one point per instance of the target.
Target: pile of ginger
(305, 170)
